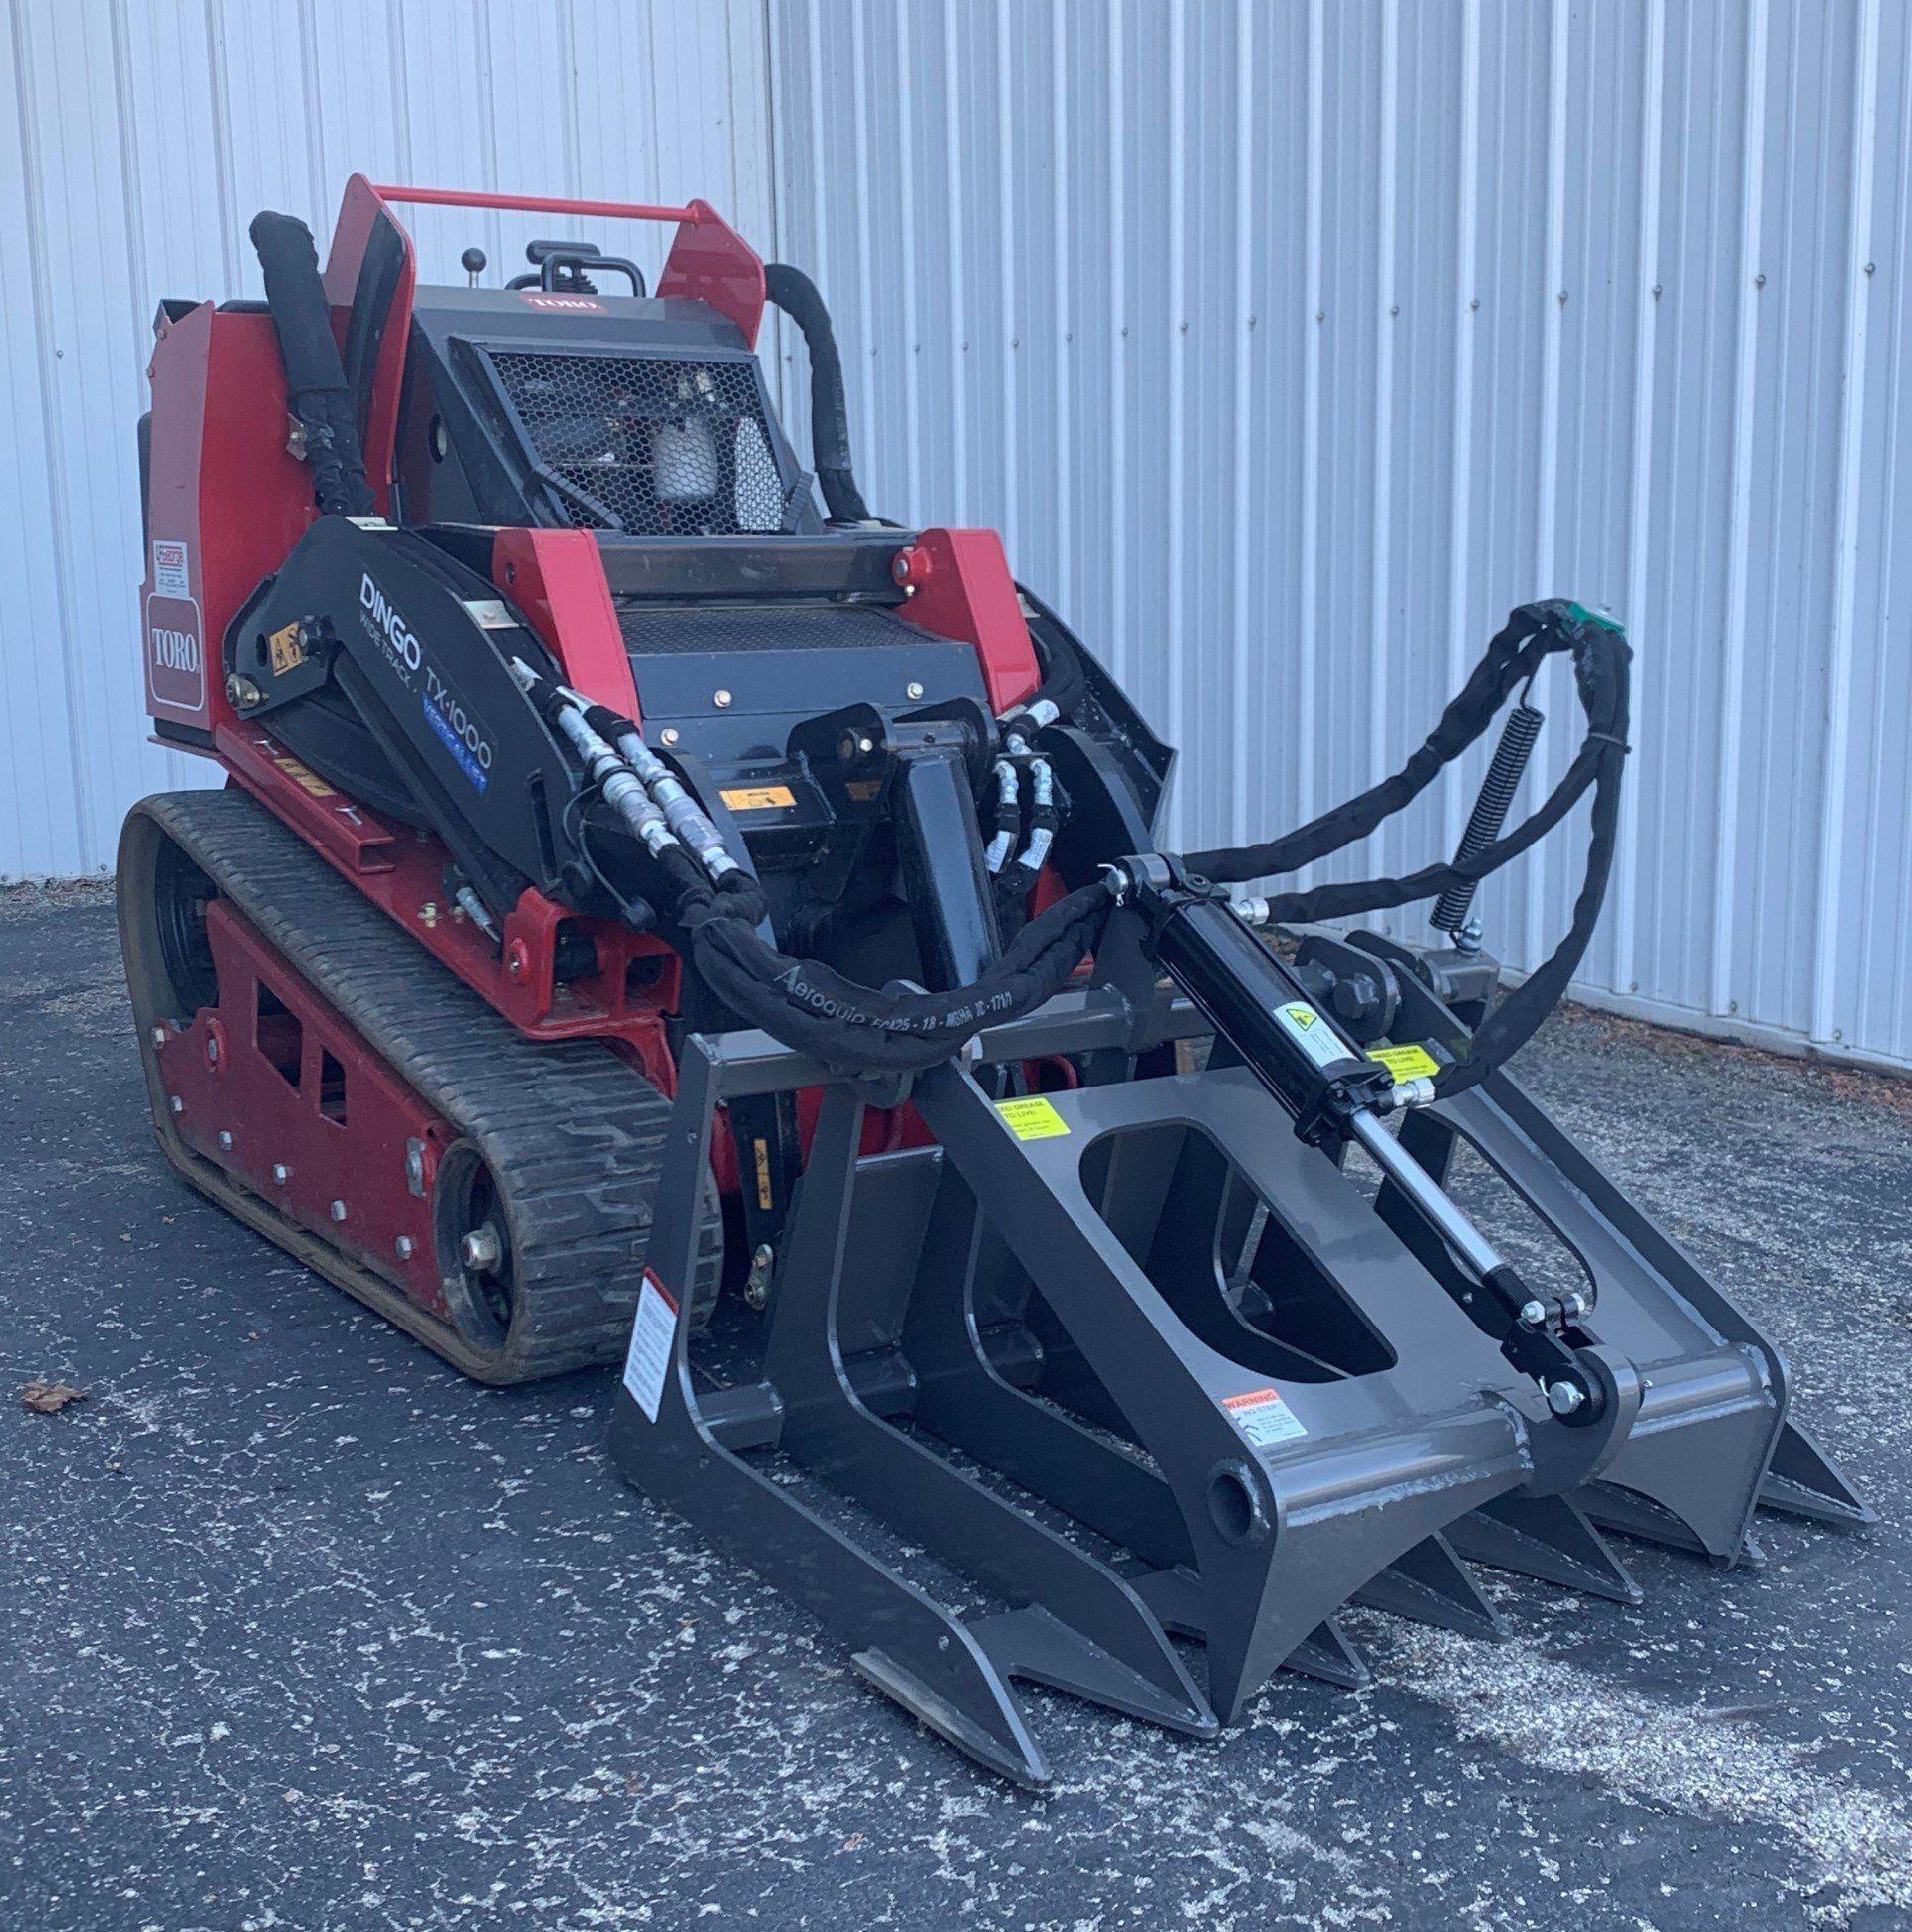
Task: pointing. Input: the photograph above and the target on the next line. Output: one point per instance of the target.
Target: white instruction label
(1262, 1417)
(652, 1337)
(171, 567)
(1316, 1037)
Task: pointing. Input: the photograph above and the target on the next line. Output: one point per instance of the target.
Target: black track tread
(573, 1135)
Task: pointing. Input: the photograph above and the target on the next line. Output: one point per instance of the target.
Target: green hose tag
(1600, 620)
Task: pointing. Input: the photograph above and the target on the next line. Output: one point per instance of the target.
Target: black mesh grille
(707, 630)
(648, 443)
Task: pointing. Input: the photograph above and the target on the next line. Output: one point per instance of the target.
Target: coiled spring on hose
(1488, 817)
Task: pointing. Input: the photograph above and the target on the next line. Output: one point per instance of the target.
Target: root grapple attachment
(624, 853)
(1129, 1362)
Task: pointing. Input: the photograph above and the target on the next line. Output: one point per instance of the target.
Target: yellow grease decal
(287, 653)
(1406, 1063)
(1032, 1120)
(307, 781)
(763, 1174)
(759, 798)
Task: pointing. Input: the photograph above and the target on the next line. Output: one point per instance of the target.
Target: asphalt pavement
(298, 1629)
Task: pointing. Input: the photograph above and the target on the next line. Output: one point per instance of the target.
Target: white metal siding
(146, 134)
(1289, 346)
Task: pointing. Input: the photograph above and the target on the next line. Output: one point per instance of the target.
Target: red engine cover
(225, 501)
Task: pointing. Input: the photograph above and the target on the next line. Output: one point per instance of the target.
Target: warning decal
(171, 568)
(652, 1337)
(287, 647)
(1406, 1063)
(759, 798)
(1262, 1417)
(307, 780)
(1032, 1120)
(1316, 1037)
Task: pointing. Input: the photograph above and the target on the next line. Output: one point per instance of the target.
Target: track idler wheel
(474, 1248)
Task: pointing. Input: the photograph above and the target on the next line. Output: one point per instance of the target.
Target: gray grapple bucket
(1129, 1364)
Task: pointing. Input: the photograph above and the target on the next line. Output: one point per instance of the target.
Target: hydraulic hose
(809, 1005)
(792, 291)
(1601, 674)
(316, 389)
(1009, 821)
(803, 1002)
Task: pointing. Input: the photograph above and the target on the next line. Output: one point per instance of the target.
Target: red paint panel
(960, 587)
(635, 981)
(296, 1089)
(360, 213)
(225, 501)
(555, 579)
(710, 262)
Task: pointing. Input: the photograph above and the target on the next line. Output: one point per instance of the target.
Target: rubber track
(573, 1134)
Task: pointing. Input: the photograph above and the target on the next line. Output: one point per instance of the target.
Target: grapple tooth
(1036, 1646)
(1431, 1585)
(1549, 1539)
(1802, 1481)
(1326, 1653)
(1714, 1394)
(998, 1736)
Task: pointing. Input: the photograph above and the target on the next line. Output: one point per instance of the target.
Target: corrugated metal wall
(1289, 345)
(1292, 344)
(146, 133)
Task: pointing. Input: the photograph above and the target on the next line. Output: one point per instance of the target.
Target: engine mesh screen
(654, 630)
(648, 443)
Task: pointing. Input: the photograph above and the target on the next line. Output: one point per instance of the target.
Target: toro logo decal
(175, 648)
(573, 304)
(175, 658)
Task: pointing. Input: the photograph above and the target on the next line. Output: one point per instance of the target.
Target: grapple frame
(1015, 1358)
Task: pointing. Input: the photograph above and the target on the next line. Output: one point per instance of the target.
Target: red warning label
(1262, 1417)
(653, 1340)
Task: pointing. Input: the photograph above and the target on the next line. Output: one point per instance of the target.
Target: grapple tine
(999, 1739)
(1549, 1539)
(1431, 1585)
(1327, 1655)
(1802, 1481)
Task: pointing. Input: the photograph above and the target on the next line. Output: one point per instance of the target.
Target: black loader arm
(384, 664)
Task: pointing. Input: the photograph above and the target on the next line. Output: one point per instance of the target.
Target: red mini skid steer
(655, 918)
